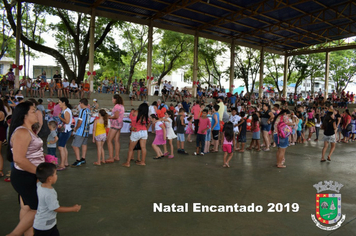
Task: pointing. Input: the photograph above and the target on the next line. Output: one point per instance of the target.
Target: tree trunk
(24, 60)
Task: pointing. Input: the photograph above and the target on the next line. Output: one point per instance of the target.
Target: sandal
(126, 165)
(329, 159)
(140, 164)
(323, 160)
(61, 168)
(166, 154)
(170, 156)
(7, 179)
(281, 166)
(103, 162)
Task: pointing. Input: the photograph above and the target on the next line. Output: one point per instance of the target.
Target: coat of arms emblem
(328, 206)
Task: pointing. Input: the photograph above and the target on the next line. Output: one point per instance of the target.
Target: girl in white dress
(168, 121)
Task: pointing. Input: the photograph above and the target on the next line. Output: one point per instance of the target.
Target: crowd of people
(219, 126)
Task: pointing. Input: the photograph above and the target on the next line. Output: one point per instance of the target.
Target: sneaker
(82, 161)
(76, 164)
(202, 154)
(195, 154)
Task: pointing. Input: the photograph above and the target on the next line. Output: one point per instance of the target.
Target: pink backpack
(283, 130)
(51, 159)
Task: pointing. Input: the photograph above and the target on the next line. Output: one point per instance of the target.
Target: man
(57, 77)
(196, 113)
(221, 108)
(81, 132)
(169, 86)
(105, 85)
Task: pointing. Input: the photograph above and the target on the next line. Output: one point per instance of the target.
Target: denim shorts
(299, 133)
(63, 138)
(256, 135)
(266, 127)
(180, 137)
(281, 142)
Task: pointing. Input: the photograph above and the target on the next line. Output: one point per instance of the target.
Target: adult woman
(26, 151)
(266, 120)
(3, 126)
(52, 87)
(74, 89)
(116, 123)
(66, 117)
(282, 143)
(139, 123)
(346, 120)
(329, 125)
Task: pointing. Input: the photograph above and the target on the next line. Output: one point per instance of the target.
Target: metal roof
(277, 25)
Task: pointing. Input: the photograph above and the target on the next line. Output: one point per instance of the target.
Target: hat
(95, 100)
(49, 100)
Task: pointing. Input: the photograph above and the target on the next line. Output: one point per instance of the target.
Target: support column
(149, 57)
(232, 65)
(18, 36)
(195, 64)
(262, 63)
(91, 49)
(327, 62)
(285, 76)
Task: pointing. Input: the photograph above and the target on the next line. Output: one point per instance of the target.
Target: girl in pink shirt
(227, 147)
(255, 128)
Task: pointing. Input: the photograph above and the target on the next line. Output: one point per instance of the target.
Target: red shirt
(137, 126)
(43, 84)
(196, 111)
(203, 124)
(51, 106)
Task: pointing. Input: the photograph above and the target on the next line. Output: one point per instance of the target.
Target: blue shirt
(217, 127)
(233, 99)
(84, 116)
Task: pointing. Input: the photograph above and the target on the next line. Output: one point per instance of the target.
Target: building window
(1, 69)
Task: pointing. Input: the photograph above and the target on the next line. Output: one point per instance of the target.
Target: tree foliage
(342, 68)
(247, 66)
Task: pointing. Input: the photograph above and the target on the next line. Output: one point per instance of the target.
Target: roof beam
(304, 52)
(97, 3)
(174, 7)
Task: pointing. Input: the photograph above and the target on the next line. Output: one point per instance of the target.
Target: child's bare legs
(207, 146)
(102, 152)
(237, 146)
(252, 145)
(189, 138)
(130, 153)
(182, 145)
(242, 147)
(138, 155)
(98, 150)
(258, 145)
(225, 158)
(157, 150)
(165, 148)
(171, 145)
(228, 159)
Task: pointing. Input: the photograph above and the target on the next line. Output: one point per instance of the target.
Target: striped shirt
(84, 116)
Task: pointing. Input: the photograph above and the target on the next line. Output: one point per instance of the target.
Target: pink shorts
(227, 148)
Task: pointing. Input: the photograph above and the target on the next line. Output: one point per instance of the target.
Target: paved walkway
(119, 201)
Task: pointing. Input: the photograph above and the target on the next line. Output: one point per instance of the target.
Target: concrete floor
(119, 201)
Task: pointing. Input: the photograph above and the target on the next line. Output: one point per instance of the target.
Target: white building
(319, 83)
(5, 65)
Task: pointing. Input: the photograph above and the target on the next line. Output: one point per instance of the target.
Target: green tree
(135, 42)
(76, 26)
(247, 66)
(170, 53)
(7, 41)
(342, 68)
(210, 61)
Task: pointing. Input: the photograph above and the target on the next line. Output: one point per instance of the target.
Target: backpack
(283, 130)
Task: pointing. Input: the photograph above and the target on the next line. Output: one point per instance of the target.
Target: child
(227, 147)
(131, 96)
(299, 130)
(317, 126)
(190, 129)
(208, 135)
(255, 128)
(234, 119)
(45, 222)
(168, 121)
(160, 138)
(180, 131)
(204, 125)
(52, 138)
(242, 135)
(99, 135)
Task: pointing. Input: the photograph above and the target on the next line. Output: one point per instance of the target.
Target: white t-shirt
(157, 125)
(45, 217)
(156, 88)
(73, 85)
(65, 84)
(151, 110)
